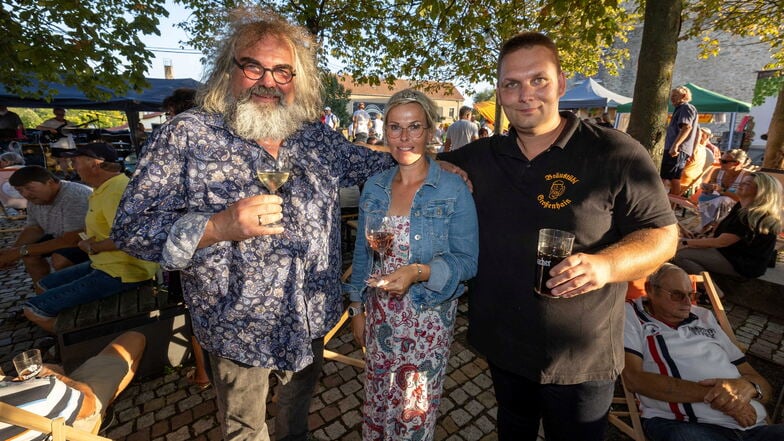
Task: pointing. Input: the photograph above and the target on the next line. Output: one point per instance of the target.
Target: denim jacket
(443, 235)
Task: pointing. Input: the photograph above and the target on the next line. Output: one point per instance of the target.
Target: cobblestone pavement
(166, 408)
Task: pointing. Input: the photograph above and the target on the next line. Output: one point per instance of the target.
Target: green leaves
(85, 44)
(760, 19)
(438, 40)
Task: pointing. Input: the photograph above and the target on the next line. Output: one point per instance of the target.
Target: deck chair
(689, 218)
(624, 414)
(56, 427)
(332, 355)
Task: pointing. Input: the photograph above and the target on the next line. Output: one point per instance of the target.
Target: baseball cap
(327, 108)
(97, 150)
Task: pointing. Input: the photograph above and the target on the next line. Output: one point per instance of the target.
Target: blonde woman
(405, 317)
(720, 186)
(745, 240)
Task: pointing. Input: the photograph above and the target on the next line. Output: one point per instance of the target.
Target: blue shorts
(73, 286)
(672, 167)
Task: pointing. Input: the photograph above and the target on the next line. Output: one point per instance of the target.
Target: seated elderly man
(109, 270)
(692, 382)
(80, 398)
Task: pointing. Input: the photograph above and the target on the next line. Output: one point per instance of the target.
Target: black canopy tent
(132, 102)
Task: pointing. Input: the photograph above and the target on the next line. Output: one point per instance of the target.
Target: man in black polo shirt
(556, 358)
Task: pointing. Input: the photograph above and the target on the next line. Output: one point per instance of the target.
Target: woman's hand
(397, 283)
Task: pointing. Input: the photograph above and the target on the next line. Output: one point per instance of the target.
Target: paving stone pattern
(167, 408)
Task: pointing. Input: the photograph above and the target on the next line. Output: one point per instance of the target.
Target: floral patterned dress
(407, 355)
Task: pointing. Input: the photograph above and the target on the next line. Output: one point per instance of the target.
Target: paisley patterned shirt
(259, 301)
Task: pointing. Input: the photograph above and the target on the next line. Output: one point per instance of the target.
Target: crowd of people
(239, 193)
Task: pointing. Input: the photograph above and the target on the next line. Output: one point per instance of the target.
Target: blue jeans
(75, 285)
(568, 412)
(662, 429)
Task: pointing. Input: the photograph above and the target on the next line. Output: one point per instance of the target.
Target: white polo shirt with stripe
(698, 349)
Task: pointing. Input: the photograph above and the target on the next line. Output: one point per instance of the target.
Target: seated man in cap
(109, 270)
(81, 397)
(692, 382)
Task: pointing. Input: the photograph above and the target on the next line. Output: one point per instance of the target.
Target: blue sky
(185, 62)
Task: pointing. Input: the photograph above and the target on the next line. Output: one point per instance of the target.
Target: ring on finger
(260, 223)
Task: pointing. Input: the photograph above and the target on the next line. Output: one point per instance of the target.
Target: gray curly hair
(247, 27)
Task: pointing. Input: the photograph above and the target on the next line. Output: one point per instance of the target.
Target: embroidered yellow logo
(558, 188)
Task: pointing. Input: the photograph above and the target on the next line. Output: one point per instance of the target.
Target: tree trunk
(774, 148)
(658, 49)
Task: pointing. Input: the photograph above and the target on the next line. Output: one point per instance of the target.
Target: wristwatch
(758, 389)
(23, 251)
(685, 242)
(355, 311)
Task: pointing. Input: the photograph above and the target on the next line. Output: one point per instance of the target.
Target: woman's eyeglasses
(728, 161)
(414, 130)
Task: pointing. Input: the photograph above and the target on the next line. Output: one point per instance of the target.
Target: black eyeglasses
(252, 71)
(414, 130)
(679, 296)
(728, 161)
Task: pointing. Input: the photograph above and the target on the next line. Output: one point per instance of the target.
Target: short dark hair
(465, 110)
(528, 40)
(180, 100)
(31, 173)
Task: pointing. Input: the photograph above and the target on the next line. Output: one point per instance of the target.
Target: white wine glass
(379, 234)
(273, 177)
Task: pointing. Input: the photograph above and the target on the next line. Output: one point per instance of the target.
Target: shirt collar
(509, 145)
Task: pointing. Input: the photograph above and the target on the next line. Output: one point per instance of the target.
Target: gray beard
(254, 121)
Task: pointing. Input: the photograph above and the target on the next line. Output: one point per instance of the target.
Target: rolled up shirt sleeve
(183, 240)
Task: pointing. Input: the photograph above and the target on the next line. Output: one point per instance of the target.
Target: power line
(174, 50)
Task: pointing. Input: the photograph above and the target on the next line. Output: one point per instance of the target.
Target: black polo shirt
(596, 182)
(750, 255)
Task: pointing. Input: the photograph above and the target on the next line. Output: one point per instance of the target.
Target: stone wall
(732, 73)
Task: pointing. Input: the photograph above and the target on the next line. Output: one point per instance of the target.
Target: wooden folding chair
(718, 307)
(625, 415)
(332, 355)
(56, 427)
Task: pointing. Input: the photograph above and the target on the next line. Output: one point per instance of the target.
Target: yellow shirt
(103, 205)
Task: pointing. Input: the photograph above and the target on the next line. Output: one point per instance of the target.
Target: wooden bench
(84, 330)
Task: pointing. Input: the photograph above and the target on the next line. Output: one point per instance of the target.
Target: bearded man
(262, 297)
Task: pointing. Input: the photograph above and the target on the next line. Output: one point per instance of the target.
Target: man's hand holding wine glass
(249, 217)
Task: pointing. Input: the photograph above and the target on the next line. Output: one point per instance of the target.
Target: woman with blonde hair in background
(745, 240)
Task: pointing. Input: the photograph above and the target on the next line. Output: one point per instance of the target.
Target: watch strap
(758, 389)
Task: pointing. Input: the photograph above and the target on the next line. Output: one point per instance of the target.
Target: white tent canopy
(589, 94)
